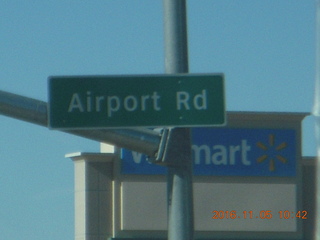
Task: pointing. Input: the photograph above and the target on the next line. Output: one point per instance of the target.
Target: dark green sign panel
(136, 101)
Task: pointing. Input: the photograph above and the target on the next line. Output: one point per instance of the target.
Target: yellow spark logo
(271, 147)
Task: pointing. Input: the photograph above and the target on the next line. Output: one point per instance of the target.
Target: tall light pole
(178, 152)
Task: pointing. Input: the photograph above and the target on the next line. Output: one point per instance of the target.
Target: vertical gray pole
(175, 36)
(179, 179)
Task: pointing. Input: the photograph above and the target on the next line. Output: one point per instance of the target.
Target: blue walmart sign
(230, 152)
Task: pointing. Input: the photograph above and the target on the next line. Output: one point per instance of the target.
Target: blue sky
(265, 48)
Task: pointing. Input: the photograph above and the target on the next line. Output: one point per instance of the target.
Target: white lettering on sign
(222, 155)
(151, 102)
(114, 104)
(215, 155)
(137, 157)
(199, 100)
(155, 97)
(75, 103)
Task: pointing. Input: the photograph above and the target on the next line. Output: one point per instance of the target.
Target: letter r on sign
(183, 98)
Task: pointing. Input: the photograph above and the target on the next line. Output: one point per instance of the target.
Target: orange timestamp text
(263, 214)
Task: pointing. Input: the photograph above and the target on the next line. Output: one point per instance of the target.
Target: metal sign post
(178, 153)
(35, 111)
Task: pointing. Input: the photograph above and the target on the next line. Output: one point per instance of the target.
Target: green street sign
(83, 102)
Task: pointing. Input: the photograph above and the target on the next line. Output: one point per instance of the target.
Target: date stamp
(263, 214)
